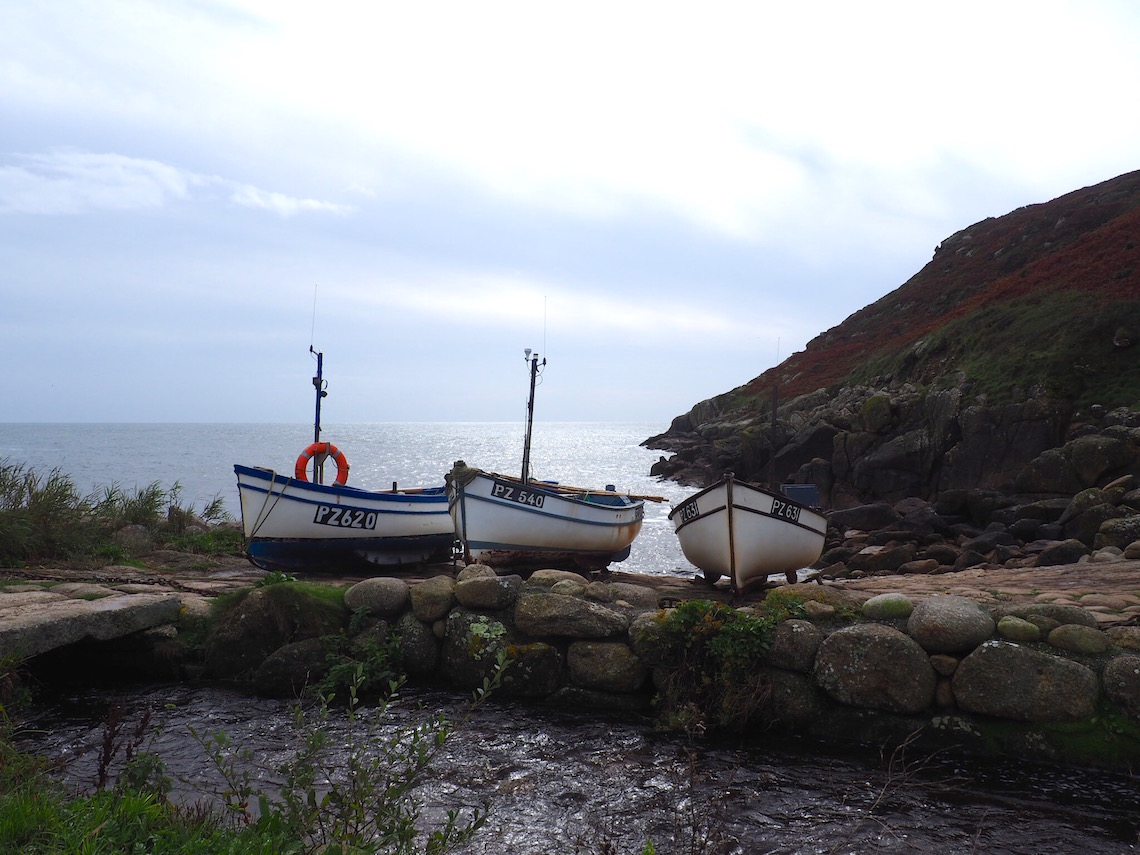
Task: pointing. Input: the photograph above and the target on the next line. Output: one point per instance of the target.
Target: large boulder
(949, 624)
(264, 620)
(1120, 531)
(292, 668)
(607, 666)
(1122, 683)
(1068, 551)
(1007, 680)
(794, 645)
(876, 667)
(488, 592)
(383, 596)
(471, 647)
(433, 598)
(418, 645)
(865, 517)
(541, 614)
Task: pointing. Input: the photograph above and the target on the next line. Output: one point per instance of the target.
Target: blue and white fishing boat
(294, 523)
(503, 521)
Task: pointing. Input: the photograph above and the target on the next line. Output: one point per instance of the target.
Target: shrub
(711, 655)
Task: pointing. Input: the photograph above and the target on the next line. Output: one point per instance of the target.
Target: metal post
(529, 414)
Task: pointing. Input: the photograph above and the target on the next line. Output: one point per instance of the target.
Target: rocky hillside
(1016, 339)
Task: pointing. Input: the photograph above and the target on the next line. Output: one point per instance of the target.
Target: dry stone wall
(944, 665)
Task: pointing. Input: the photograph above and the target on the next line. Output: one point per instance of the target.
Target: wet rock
(794, 698)
(949, 624)
(535, 670)
(876, 667)
(292, 668)
(605, 666)
(1010, 681)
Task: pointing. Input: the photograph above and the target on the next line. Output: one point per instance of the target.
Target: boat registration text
(345, 517)
(515, 493)
(785, 510)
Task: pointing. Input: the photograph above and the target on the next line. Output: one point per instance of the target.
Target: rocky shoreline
(1036, 662)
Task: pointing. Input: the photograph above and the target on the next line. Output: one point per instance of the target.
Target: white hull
(501, 521)
(741, 531)
(294, 524)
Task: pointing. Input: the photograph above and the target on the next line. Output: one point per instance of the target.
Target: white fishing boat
(294, 523)
(747, 533)
(519, 522)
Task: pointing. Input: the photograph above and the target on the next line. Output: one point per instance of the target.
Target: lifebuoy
(322, 449)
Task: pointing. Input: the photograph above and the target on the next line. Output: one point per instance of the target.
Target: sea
(196, 461)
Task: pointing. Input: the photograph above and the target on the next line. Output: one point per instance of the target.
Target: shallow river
(560, 782)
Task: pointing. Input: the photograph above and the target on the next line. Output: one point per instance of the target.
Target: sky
(662, 199)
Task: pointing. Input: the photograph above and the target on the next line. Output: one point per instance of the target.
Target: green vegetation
(45, 518)
(713, 655)
(1058, 343)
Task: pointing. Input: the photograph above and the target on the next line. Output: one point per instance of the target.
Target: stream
(559, 781)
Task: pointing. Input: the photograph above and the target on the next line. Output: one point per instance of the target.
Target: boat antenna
(319, 385)
(534, 366)
(775, 404)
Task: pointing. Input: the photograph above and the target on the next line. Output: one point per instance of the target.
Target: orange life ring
(322, 449)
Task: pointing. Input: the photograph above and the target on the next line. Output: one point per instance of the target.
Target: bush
(711, 655)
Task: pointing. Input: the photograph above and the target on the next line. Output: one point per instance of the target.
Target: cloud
(279, 203)
(68, 181)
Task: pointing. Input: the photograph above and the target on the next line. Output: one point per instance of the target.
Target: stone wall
(1021, 679)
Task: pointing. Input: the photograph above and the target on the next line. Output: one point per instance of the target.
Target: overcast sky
(660, 198)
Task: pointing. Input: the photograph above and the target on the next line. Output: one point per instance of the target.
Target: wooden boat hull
(746, 533)
(502, 522)
(291, 524)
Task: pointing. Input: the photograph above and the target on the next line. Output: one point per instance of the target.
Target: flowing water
(575, 782)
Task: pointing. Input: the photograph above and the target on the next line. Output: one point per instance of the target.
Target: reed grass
(45, 518)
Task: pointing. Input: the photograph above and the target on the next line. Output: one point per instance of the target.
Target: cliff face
(1017, 337)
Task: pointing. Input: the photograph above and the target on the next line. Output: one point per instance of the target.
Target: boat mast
(319, 385)
(533, 360)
